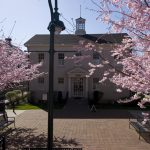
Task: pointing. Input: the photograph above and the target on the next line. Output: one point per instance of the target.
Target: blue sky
(33, 16)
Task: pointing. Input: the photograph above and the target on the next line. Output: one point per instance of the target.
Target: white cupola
(80, 26)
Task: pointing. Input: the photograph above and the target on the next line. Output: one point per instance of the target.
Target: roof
(80, 19)
(74, 39)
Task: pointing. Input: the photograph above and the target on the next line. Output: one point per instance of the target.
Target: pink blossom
(131, 67)
(141, 105)
(106, 73)
(115, 1)
(119, 90)
(103, 79)
(133, 54)
(15, 67)
(145, 114)
(106, 19)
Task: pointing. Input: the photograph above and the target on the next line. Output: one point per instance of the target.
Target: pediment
(79, 71)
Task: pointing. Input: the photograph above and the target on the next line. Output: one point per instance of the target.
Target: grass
(44, 106)
(26, 106)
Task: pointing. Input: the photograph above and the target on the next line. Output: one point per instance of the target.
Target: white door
(78, 87)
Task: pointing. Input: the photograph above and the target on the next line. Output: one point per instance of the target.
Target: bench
(2, 142)
(139, 127)
(6, 121)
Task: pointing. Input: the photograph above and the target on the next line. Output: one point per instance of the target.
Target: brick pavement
(91, 133)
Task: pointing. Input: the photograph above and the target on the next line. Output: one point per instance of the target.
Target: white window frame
(78, 54)
(61, 60)
(41, 80)
(40, 57)
(61, 80)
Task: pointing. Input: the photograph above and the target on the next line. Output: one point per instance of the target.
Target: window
(81, 26)
(60, 80)
(41, 57)
(95, 83)
(78, 53)
(61, 58)
(96, 58)
(41, 80)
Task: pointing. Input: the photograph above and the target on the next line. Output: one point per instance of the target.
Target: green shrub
(59, 97)
(17, 91)
(15, 97)
(18, 95)
(25, 95)
(11, 96)
(97, 95)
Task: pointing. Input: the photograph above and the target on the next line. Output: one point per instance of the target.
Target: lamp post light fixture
(55, 27)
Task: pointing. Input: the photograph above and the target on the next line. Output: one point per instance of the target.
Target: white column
(69, 86)
(86, 87)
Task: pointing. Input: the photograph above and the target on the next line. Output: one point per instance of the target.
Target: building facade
(71, 75)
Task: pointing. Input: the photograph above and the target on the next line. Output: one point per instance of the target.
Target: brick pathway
(93, 134)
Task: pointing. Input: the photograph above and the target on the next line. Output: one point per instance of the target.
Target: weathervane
(80, 11)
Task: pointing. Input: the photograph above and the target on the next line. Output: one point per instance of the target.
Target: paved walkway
(101, 133)
(10, 112)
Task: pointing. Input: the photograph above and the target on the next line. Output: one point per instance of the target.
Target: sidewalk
(92, 134)
(10, 112)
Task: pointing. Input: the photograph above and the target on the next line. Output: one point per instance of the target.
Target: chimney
(8, 41)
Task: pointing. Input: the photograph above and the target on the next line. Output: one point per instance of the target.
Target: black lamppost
(55, 26)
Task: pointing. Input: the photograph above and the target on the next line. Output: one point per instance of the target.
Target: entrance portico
(78, 83)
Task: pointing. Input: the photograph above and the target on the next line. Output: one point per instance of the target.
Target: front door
(78, 87)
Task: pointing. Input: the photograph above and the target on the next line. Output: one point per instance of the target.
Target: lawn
(26, 106)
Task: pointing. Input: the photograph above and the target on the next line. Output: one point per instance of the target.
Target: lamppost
(55, 26)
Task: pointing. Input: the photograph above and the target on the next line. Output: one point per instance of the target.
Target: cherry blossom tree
(133, 54)
(15, 67)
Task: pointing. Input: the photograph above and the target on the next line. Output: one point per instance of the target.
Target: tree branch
(147, 3)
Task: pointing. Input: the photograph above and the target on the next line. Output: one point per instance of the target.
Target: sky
(22, 19)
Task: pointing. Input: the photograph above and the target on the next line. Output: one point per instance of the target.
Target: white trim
(86, 87)
(69, 86)
(78, 87)
(78, 73)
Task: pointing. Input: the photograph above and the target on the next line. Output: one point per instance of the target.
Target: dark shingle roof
(74, 39)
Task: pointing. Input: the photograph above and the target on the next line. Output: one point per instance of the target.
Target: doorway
(78, 87)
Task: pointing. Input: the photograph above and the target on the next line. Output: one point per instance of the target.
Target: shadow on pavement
(86, 113)
(79, 109)
(24, 138)
(64, 142)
